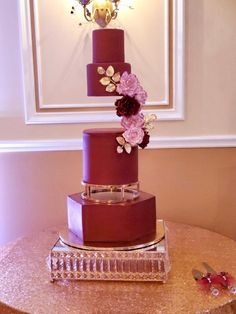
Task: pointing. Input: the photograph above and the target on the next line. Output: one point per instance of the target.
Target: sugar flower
(145, 140)
(128, 85)
(134, 120)
(127, 106)
(136, 125)
(141, 95)
(134, 135)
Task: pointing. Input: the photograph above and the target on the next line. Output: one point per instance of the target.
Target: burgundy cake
(108, 49)
(132, 222)
(112, 210)
(127, 222)
(101, 162)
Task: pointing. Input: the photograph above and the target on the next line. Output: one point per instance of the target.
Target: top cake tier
(108, 49)
(108, 45)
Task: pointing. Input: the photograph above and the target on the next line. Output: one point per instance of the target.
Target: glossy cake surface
(102, 164)
(108, 49)
(94, 87)
(100, 215)
(128, 222)
(108, 45)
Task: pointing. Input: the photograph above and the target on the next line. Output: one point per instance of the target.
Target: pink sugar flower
(141, 95)
(134, 136)
(129, 84)
(133, 121)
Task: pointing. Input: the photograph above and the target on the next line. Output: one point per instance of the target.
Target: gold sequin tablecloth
(25, 285)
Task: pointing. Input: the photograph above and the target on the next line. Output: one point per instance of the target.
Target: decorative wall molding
(156, 143)
(37, 112)
(194, 141)
(40, 145)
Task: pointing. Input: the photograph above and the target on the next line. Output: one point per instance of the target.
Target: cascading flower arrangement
(129, 106)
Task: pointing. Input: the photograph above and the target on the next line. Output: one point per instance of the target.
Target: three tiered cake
(112, 232)
(112, 209)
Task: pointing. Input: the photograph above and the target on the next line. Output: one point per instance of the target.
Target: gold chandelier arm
(114, 14)
(87, 14)
(115, 11)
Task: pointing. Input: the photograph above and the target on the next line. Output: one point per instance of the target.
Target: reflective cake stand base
(145, 262)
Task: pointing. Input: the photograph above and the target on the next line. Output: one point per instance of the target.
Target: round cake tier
(108, 45)
(94, 87)
(101, 162)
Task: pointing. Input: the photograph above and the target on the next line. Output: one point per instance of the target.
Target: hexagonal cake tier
(124, 223)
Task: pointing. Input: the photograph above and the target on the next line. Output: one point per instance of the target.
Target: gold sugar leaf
(116, 77)
(101, 70)
(120, 140)
(119, 149)
(150, 118)
(153, 117)
(110, 88)
(105, 81)
(148, 121)
(128, 148)
(110, 71)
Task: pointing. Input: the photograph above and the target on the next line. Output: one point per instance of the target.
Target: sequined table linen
(25, 280)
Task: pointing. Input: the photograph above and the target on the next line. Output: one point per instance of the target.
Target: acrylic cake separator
(70, 259)
(110, 193)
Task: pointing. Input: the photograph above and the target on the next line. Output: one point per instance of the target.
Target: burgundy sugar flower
(127, 106)
(145, 140)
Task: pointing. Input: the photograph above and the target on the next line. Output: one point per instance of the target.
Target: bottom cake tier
(126, 222)
(149, 263)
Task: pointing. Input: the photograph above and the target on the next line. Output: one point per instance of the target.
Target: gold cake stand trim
(69, 239)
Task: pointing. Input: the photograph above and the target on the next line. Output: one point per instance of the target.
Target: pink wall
(33, 190)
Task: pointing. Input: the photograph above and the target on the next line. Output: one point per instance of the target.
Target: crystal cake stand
(147, 262)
